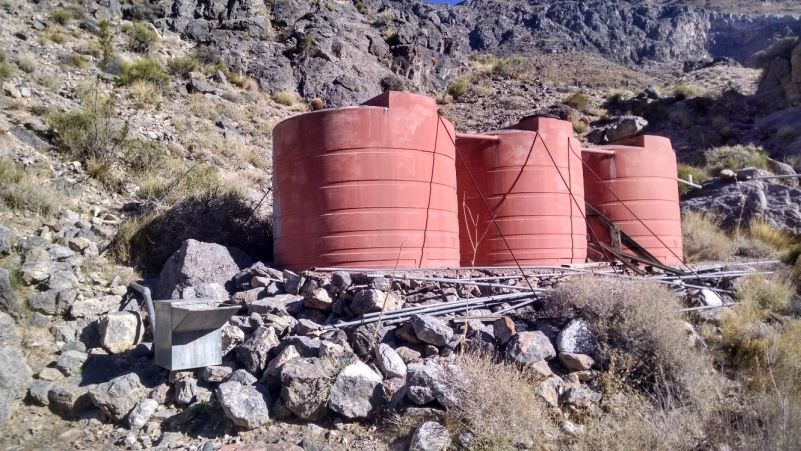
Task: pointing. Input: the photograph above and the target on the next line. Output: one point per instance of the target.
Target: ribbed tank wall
(645, 203)
(524, 179)
(368, 186)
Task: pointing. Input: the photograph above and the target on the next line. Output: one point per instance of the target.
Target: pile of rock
(281, 362)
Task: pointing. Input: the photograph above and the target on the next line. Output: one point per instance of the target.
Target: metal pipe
(705, 307)
(722, 275)
(598, 151)
(145, 293)
(458, 282)
(500, 298)
(583, 267)
(688, 183)
(494, 138)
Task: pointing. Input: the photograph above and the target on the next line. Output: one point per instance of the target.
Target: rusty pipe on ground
(494, 138)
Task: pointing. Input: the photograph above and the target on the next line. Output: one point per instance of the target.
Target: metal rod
(598, 151)
(516, 306)
(145, 293)
(688, 183)
(459, 282)
(722, 275)
(706, 307)
(574, 267)
(768, 177)
(494, 138)
(500, 298)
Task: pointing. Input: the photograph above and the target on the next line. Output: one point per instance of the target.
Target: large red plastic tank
(638, 182)
(367, 186)
(524, 179)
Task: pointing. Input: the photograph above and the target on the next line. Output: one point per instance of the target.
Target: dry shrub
(641, 337)
(704, 240)
(145, 94)
(24, 190)
(285, 98)
(500, 406)
(735, 158)
(777, 239)
(772, 292)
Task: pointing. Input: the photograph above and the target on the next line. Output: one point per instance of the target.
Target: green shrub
(182, 66)
(141, 38)
(91, 131)
(106, 46)
(359, 4)
(459, 87)
(735, 158)
(61, 16)
(146, 69)
(578, 100)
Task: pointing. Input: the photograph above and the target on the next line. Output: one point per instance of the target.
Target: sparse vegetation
(182, 66)
(24, 190)
(145, 69)
(105, 43)
(735, 157)
(145, 94)
(77, 60)
(26, 64)
(61, 16)
(286, 98)
(459, 87)
(704, 239)
(6, 70)
(690, 173)
(686, 91)
(578, 100)
(141, 37)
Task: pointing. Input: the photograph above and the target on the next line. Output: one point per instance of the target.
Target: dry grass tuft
(777, 239)
(500, 407)
(145, 94)
(773, 292)
(286, 98)
(24, 190)
(704, 240)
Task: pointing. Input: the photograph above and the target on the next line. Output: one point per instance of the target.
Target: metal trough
(187, 332)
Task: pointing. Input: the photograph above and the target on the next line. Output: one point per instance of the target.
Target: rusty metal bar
(494, 138)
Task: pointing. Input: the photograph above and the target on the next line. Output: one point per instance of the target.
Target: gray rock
(38, 392)
(231, 337)
(15, 375)
(92, 308)
(254, 353)
(118, 396)
(390, 363)
(196, 85)
(576, 338)
(141, 414)
(120, 331)
(778, 168)
(242, 377)
(305, 386)
(292, 282)
(245, 406)
(306, 326)
(576, 362)
(69, 401)
(71, 362)
(406, 333)
(9, 302)
(8, 240)
(318, 299)
(36, 267)
(430, 436)
(216, 373)
(282, 304)
(356, 392)
(371, 300)
(341, 280)
(503, 329)
(186, 391)
(580, 396)
(196, 263)
(428, 381)
(431, 330)
(408, 355)
(530, 347)
(625, 127)
(272, 374)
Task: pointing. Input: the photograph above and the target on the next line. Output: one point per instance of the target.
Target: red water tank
(527, 179)
(636, 189)
(366, 186)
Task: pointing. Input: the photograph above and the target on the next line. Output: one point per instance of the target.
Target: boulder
(429, 381)
(118, 396)
(141, 414)
(318, 299)
(196, 263)
(38, 392)
(36, 267)
(120, 331)
(254, 353)
(272, 374)
(243, 377)
(92, 308)
(372, 300)
(71, 362)
(528, 348)
(8, 240)
(217, 373)
(305, 386)
(15, 375)
(390, 363)
(576, 362)
(625, 127)
(431, 330)
(245, 405)
(580, 396)
(430, 436)
(68, 401)
(356, 392)
(9, 301)
(576, 338)
(503, 329)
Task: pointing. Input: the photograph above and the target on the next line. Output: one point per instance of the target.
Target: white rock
(120, 331)
(390, 363)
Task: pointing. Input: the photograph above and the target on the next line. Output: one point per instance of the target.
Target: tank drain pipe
(494, 138)
(688, 183)
(598, 151)
(145, 293)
